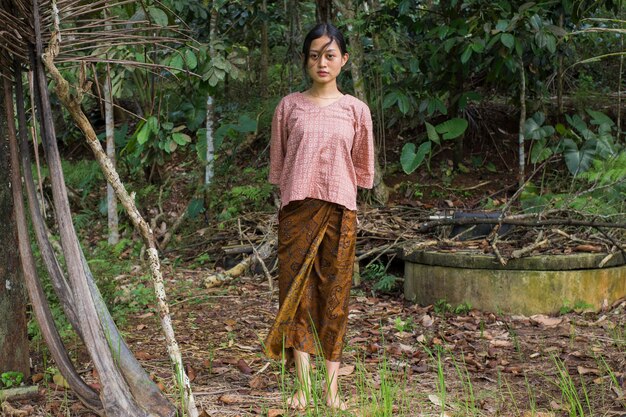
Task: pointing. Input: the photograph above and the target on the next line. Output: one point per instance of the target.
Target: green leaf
(195, 207)
(411, 160)
(432, 133)
(551, 43)
(507, 40)
(466, 97)
(540, 152)
(502, 25)
(177, 63)
(201, 144)
(435, 104)
(181, 138)
(191, 59)
(578, 160)
(600, 118)
(390, 99)
(478, 46)
(466, 55)
(245, 124)
(158, 16)
(403, 103)
(143, 134)
(561, 129)
(153, 124)
(452, 128)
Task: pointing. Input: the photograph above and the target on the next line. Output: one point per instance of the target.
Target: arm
(363, 150)
(277, 146)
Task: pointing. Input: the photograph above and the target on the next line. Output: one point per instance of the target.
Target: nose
(321, 61)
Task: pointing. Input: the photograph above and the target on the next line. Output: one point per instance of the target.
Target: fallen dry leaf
(60, 381)
(275, 412)
(435, 399)
(258, 382)
(230, 399)
(500, 343)
(142, 355)
(588, 248)
(584, 371)
(191, 373)
(8, 410)
(545, 320)
(244, 367)
(345, 370)
(427, 321)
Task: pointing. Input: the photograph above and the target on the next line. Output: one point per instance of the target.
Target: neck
(324, 90)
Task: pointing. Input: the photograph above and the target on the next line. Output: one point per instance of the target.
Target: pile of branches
(249, 241)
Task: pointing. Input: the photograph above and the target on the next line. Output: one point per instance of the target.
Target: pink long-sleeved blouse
(321, 152)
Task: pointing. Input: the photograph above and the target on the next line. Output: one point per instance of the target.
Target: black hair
(319, 30)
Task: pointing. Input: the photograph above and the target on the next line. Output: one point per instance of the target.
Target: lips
(322, 73)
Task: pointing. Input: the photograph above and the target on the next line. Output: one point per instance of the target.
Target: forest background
(501, 105)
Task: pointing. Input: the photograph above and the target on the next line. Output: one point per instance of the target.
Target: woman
(321, 150)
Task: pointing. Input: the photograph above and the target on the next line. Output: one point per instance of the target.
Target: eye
(313, 56)
(330, 56)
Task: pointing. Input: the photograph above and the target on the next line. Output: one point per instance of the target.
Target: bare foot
(298, 402)
(335, 402)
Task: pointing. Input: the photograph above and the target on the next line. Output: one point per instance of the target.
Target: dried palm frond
(85, 31)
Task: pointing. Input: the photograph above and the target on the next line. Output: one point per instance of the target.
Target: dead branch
(428, 226)
(72, 104)
(216, 280)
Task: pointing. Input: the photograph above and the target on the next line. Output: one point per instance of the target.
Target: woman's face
(325, 60)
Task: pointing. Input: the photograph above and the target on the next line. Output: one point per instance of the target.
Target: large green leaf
(153, 124)
(534, 129)
(143, 134)
(540, 152)
(191, 59)
(452, 128)
(410, 159)
(599, 118)
(466, 55)
(403, 103)
(507, 40)
(181, 138)
(158, 16)
(245, 124)
(390, 99)
(432, 133)
(579, 160)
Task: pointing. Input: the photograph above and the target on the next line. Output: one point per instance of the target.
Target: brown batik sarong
(316, 248)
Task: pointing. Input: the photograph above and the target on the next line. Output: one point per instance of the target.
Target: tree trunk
(13, 337)
(560, 76)
(380, 190)
(113, 221)
(522, 118)
(27, 264)
(72, 104)
(142, 388)
(210, 148)
(324, 11)
(115, 393)
(265, 51)
(294, 40)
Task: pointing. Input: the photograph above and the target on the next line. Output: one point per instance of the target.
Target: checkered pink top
(321, 152)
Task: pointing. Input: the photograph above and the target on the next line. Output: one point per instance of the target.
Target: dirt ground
(490, 364)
